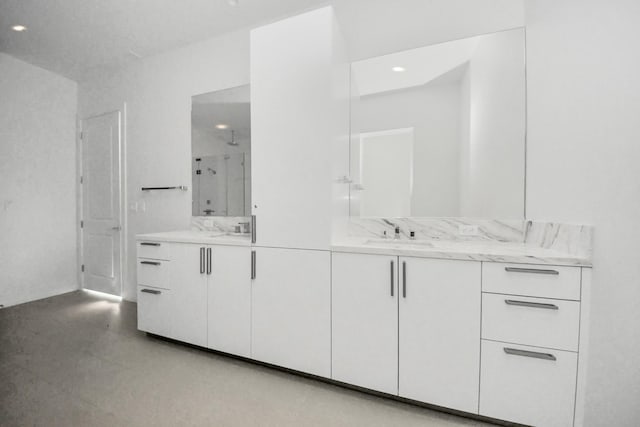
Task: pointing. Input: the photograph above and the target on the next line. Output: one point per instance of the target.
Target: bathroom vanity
(496, 329)
(373, 275)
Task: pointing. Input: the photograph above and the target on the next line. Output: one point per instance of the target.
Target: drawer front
(154, 310)
(531, 280)
(153, 272)
(154, 250)
(527, 390)
(531, 321)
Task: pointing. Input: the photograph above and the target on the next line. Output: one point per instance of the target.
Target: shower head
(233, 141)
(212, 171)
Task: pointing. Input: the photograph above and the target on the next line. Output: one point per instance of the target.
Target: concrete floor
(78, 360)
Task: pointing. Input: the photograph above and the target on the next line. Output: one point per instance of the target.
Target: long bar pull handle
(150, 262)
(531, 270)
(151, 291)
(392, 276)
(149, 244)
(178, 187)
(253, 265)
(208, 260)
(253, 228)
(531, 304)
(201, 260)
(526, 353)
(404, 279)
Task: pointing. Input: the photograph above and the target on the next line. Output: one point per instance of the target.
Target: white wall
(157, 92)
(584, 167)
(494, 160)
(38, 183)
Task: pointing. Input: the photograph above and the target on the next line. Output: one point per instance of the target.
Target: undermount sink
(445, 245)
(399, 242)
(216, 234)
(229, 235)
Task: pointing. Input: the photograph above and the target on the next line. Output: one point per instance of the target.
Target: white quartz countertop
(199, 237)
(459, 250)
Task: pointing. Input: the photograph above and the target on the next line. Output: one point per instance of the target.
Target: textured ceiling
(71, 37)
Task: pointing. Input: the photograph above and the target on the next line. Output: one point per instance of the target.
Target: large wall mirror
(440, 130)
(221, 153)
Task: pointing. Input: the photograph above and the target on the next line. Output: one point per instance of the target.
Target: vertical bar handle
(202, 260)
(253, 228)
(208, 260)
(253, 265)
(392, 276)
(404, 279)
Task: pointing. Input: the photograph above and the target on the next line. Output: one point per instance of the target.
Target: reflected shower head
(233, 141)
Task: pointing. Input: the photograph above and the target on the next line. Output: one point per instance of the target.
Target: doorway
(102, 238)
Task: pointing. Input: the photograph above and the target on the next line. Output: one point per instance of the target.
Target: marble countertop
(198, 236)
(468, 251)
(443, 249)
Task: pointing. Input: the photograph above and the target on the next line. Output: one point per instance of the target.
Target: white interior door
(386, 172)
(101, 210)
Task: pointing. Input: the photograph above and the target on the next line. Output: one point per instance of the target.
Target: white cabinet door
(229, 296)
(292, 130)
(528, 385)
(189, 294)
(291, 319)
(364, 304)
(439, 333)
(155, 310)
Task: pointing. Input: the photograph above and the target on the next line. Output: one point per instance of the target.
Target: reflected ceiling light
(221, 126)
(19, 28)
(399, 69)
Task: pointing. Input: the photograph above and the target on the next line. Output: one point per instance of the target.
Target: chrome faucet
(397, 233)
(244, 227)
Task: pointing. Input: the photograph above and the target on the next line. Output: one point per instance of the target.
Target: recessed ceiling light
(233, 2)
(19, 28)
(222, 126)
(399, 69)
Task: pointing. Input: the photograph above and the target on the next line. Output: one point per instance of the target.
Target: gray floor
(78, 360)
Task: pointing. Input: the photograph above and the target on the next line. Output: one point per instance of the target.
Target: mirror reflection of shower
(219, 185)
(221, 153)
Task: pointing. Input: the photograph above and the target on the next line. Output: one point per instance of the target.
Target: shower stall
(220, 185)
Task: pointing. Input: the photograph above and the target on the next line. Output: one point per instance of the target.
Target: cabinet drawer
(531, 321)
(155, 250)
(531, 280)
(153, 272)
(527, 385)
(154, 310)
